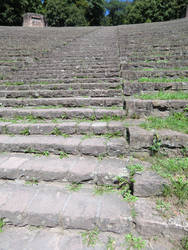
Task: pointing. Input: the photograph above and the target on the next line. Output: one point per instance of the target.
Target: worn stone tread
(68, 127)
(72, 169)
(75, 145)
(33, 238)
(66, 113)
(73, 210)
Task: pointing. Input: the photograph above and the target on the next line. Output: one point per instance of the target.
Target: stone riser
(65, 102)
(75, 145)
(72, 169)
(65, 80)
(59, 93)
(60, 86)
(142, 108)
(64, 127)
(132, 88)
(63, 113)
(134, 75)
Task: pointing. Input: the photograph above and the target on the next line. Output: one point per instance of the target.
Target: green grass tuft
(176, 121)
(164, 95)
(162, 79)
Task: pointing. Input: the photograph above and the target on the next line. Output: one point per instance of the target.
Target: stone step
(33, 238)
(60, 93)
(157, 64)
(135, 75)
(94, 113)
(66, 101)
(132, 88)
(84, 210)
(68, 127)
(72, 169)
(75, 145)
(53, 205)
(13, 86)
(63, 76)
(71, 72)
(141, 108)
(172, 143)
(66, 80)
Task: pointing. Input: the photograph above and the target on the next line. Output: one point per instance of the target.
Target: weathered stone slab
(148, 183)
(150, 223)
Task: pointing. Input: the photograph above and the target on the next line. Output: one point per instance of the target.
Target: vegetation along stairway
(93, 137)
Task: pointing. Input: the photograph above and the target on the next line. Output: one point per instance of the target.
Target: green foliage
(11, 11)
(95, 12)
(74, 186)
(179, 188)
(2, 223)
(90, 238)
(111, 244)
(141, 11)
(164, 95)
(25, 131)
(171, 167)
(184, 243)
(99, 190)
(134, 242)
(116, 9)
(162, 79)
(135, 168)
(156, 145)
(176, 170)
(176, 121)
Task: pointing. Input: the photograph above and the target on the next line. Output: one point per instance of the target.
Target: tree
(116, 9)
(95, 12)
(12, 11)
(141, 11)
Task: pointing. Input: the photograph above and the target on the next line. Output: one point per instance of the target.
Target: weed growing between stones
(63, 155)
(134, 242)
(25, 131)
(156, 145)
(36, 152)
(164, 95)
(90, 238)
(74, 186)
(176, 121)
(101, 189)
(57, 132)
(111, 244)
(124, 187)
(32, 182)
(2, 223)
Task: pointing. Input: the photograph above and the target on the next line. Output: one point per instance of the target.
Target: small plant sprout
(2, 223)
(63, 155)
(74, 186)
(134, 242)
(133, 169)
(111, 244)
(100, 190)
(25, 131)
(90, 238)
(33, 181)
(156, 145)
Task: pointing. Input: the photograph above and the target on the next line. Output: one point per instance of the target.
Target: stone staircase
(70, 136)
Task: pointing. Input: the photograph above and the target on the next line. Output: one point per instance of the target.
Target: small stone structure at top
(33, 20)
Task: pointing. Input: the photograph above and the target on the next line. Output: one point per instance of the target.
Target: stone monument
(34, 20)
